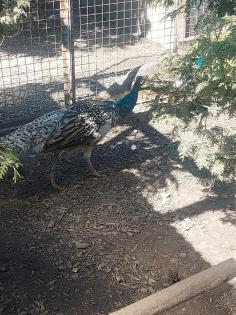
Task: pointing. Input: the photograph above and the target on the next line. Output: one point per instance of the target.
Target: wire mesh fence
(31, 78)
(114, 37)
(59, 49)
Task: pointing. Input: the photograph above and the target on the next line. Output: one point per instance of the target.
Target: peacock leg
(56, 159)
(87, 157)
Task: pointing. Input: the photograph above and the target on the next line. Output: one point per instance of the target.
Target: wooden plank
(66, 16)
(182, 291)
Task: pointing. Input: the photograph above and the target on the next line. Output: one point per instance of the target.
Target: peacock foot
(53, 182)
(97, 174)
(55, 186)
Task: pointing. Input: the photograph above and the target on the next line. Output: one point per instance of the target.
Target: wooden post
(182, 291)
(66, 15)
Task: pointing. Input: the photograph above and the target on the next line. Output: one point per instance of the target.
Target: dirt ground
(100, 244)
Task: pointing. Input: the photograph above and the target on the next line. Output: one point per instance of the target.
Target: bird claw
(97, 174)
(56, 187)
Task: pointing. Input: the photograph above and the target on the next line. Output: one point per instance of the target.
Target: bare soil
(100, 244)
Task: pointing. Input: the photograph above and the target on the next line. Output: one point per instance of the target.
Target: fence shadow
(44, 267)
(39, 260)
(117, 154)
(27, 102)
(124, 152)
(112, 24)
(42, 229)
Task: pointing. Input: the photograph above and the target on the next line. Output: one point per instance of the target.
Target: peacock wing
(78, 126)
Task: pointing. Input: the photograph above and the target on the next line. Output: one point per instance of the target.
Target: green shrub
(8, 160)
(205, 103)
(12, 13)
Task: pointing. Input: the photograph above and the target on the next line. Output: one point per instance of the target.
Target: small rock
(51, 283)
(61, 268)
(119, 279)
(165, 256)
(133, 147)
(160, 237)
(183, 255)
(174, 260)
(143, 290)
(101, 266)
(51, 224)
(151, 281)
(232, 247)
(81, 245)
(75, 269)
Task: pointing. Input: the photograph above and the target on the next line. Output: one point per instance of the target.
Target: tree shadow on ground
(33, 99)
(91, 248)
(29, 102)
(23, 103)
(98, 244)
(136, 146)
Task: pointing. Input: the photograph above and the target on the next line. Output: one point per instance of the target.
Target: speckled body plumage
(81, 125)
(34, 134)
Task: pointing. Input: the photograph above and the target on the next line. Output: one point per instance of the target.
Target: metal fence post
(66, 15)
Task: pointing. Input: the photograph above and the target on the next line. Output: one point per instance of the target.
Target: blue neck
(126, 104)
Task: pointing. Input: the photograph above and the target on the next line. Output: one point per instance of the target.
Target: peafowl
(81, 125)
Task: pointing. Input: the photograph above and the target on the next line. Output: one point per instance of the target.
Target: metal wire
(110, 37)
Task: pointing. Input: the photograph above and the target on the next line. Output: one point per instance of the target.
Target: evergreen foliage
(12, 12)
(8, 160)
(205, 103)
(218, 7)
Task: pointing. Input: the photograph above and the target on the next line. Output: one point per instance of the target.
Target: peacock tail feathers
(33, 134)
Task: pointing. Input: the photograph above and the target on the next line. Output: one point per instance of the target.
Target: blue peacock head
(126, 103)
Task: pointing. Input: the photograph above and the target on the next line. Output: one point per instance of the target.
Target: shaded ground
(100, 244)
